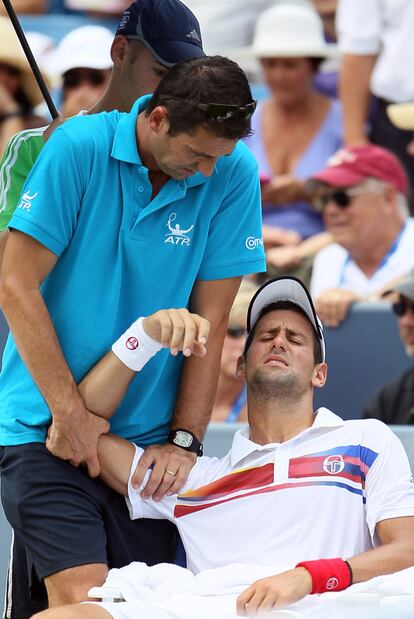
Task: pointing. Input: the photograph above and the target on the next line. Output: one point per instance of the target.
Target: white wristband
(135, 347)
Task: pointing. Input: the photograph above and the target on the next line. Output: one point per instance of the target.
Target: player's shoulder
(372, 432)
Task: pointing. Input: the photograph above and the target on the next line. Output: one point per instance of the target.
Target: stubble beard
(275, 387)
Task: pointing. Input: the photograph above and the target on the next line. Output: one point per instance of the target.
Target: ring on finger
(171, 473)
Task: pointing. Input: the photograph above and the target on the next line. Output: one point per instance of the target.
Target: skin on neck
(278, 420)
(303, 106)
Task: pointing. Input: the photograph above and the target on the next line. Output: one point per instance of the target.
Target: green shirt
(18, 159)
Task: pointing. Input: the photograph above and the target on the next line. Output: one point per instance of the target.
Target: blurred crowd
(332, 135)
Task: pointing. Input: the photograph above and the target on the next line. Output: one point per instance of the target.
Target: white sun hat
(85, 47)
(290, 31)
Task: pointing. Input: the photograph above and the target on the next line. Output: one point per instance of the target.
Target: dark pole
(31, 59)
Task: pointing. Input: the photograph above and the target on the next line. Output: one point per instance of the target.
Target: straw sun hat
(288, 30)
(12, 54)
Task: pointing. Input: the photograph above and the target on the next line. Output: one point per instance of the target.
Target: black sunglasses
(219, 111)
(74, 77)
(402, 307)
(236, 332)
(341, 197)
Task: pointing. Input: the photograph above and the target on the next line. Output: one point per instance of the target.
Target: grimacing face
(281, 356)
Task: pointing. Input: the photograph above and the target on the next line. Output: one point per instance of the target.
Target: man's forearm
(355, 95)
(385, 559)
(105, 385)
(198, 386)
(38, 346)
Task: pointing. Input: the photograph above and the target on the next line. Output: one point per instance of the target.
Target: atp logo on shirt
(26, 201)
(176, 234)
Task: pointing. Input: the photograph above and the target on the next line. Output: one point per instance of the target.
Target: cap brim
(402, 115)
(338, 177)
(285, 289)
(406, 288)
(168, 53)
(330, 50)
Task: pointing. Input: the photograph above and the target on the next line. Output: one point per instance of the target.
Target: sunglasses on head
(219, 111)
(402, 307)
(236, 332)
(75, 77)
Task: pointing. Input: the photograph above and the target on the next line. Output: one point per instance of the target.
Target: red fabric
(328, 574)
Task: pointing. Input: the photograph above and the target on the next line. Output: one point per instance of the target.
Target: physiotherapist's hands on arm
(212, 300)
(74, 430)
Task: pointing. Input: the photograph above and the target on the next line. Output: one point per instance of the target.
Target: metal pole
(31, 59)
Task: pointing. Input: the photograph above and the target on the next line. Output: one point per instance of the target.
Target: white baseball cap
(86, 47)
(289, 30)
(285, 289)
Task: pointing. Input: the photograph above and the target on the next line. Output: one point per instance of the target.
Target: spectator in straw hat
(296, 129)
(19, 92)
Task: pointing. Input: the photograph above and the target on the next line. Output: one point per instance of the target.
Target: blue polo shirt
(122, 255)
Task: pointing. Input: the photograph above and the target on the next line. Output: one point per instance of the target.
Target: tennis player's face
(281, 356)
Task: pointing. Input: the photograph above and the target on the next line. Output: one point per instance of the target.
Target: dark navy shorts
(62, 518)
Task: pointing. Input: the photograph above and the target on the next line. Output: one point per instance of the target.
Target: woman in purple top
(296, 129)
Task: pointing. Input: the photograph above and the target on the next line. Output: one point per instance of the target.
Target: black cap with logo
(167, 28)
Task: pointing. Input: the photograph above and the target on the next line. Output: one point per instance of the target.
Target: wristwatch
(186, 440)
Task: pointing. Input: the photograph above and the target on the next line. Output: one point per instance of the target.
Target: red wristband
(328, 574)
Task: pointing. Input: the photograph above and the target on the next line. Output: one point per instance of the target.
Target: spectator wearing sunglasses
(394, 403)
(83, 60)
(362, 198)
(230, 403)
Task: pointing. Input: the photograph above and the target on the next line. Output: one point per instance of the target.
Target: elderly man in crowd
(268, 490)
(394, 403)
(363, 201)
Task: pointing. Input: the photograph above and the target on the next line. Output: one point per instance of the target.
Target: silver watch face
(183, 439)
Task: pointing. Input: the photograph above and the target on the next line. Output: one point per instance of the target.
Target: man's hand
(171, 468)
(75, 437)
(177, 330)
(284, 258)
(275, 592)
(333, 304)
(283, 190)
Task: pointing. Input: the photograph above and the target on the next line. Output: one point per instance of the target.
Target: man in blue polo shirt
(122, 215)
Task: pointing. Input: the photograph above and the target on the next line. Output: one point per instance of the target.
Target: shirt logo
(132, 343)
(333, 465)
(176, 235)
(341, 157)
(26, 201)
(253, 242)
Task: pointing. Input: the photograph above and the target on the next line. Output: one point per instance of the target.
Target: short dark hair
(212, 79)
(285, 305)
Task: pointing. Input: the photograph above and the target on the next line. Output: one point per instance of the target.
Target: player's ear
(119, 49)
(319, 375)
(240, 368)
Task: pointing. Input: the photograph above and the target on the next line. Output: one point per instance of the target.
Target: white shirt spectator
(334, 268)
(384, 28)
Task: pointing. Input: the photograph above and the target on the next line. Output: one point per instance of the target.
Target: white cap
(285, 289)
(86, 47)
(402, 115)
(289, 30)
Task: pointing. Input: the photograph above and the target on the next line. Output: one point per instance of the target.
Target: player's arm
(198, 382)
(105, 385)
(395, 553)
